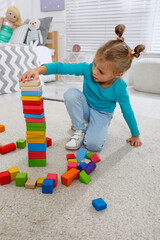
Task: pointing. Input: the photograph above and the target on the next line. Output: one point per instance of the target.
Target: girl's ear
(118, 75)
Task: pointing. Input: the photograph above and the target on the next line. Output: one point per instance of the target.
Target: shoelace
(76, 135)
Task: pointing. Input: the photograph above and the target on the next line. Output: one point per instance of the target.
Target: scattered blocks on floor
(7, 148)
(95, 158)
(83, 177)
(89, 167)
(80, 166)
(4, 178)
(71, 165)
(49, 141)
(88, 155)
(37, 162)
(53, 176)
(99, 204)
(72, 160)
(85, 160)
(21, 143)
(30, 183)
(13, 172)
(2, 128)
(21, 179)
(40, 181)
(47, 186)
(70, 156)
(68, 176)
(81, 154)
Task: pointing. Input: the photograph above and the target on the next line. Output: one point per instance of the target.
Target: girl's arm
(129, 117)
(34, 73)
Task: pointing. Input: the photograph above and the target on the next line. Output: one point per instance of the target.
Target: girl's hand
(34, 73)
(134, 141)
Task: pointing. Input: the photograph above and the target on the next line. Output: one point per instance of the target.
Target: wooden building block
(53, 176)
(37, 162)
(36, 155)
(34, 103)
(40, 181)
(21, 179)
(70, 156)
(68, 176)
(49, 141)
(2, 128)
(88, 155)
(33, 147)
(13, 172)
(31, 89)
(7, 148)
(31, 83)
(72, 160)
(35, 120)
(25, 98)
(84, 178)
(21, 143)
(31, 94)
(81, 154)
(31, 109)
(71, 165)
(30, 183)
(85, 160)
(47, 186)
(4, 178)
(95, 158)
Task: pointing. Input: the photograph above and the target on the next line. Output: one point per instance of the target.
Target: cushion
(19, 34)
(44, 28)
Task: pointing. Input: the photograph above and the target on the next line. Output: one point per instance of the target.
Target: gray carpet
(128, 179)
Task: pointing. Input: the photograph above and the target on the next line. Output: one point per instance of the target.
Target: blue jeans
(99, 121)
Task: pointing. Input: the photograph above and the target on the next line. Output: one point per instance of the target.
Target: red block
(30, 109)
(95, 158)
(4, 178)
(36, 155)
(49, 141)
(7, 148)
(53, 176)
(33, 120)
(71, 165)
(70, 156)
(33, 102)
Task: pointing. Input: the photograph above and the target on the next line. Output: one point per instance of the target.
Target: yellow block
(36, 140)
(40, 181)
(28, 98)
(35, 133)
(13, 172)
(72, 160)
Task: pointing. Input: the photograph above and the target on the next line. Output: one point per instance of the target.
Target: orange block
(2, 128)
(68, 176)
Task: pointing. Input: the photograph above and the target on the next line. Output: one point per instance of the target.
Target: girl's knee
(71, 94)
(93, 146)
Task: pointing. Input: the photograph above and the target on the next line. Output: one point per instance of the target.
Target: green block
(36, 124)
(83, 177)
(88, 155)
(21, 143)
(36, 128)
(21, 179)
(37, 162)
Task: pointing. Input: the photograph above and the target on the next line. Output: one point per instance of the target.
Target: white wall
(31, 8)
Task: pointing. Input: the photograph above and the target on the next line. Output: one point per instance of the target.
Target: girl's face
(103, 71)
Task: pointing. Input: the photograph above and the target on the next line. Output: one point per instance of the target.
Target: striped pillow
(19, 34)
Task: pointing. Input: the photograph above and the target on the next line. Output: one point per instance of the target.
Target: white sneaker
(86, 123)
(76, 140)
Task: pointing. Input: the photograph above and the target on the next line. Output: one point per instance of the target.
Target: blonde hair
(118, 52)
(16, 11)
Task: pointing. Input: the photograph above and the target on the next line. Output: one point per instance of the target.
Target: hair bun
(119, 30)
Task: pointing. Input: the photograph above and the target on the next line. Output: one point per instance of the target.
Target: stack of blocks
(33, 110)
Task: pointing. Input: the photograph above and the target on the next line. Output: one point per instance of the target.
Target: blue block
(34, 115)
(80, 166)
(31, 94)
(37, 147)
(81, 154)
(99, 204)
(47, 186)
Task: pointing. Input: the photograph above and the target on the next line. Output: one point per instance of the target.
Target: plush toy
(34, 35)
(11, 20)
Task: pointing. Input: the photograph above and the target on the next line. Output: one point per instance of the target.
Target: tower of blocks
(33, 109)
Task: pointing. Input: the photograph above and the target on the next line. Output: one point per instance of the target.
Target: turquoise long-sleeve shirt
(97, 97)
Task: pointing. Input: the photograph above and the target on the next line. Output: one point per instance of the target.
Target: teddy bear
(34, 36)
(11, 20)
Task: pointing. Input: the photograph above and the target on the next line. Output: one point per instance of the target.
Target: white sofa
(146, 75)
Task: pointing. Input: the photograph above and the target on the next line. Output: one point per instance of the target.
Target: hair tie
(133, 51)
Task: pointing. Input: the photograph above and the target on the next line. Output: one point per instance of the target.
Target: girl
(102, 88)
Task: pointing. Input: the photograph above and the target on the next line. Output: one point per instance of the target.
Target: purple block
(89, 167)
(52, 5)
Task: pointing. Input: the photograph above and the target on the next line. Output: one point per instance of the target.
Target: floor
(143, 104)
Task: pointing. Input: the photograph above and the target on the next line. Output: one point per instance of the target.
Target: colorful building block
(36, 155)
(35, 120)
(53, 176)
(13, 172)
(88, 155)
(40, 181)
(83, 177)
(4, 178)
(21, 179)
(39, 116)
(7, 148)
(68, 176)
(85, 160)
(49, 141)
(37, 162)
(35, 103)
(81, 154)
(24, 98)
(30, 183)
(70, 156)
(21, 143)
(31, 109)
(99, 204)
(95, 158)
(37, 147)
(72, 160)
(2, 128)
(31, 93)
(71, 165)
(31, 89)
(47, 186)
(30, 83)
(80, 166)
(89, 167)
